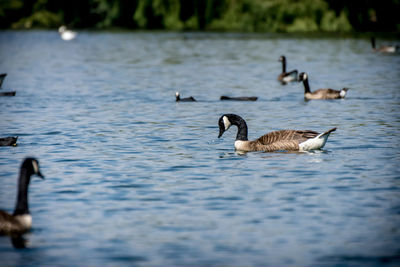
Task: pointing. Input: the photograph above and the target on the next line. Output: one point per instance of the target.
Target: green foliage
(221, 15)
(41, 18)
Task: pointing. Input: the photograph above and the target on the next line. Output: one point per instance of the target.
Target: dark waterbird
(187, 99)
(8, 141)
(21, 220)
(286, 77)
(289, 140)
(384, 48)
(11, 93)
(240, 98)
(326, 93)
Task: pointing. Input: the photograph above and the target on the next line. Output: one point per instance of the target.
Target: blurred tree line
(221, 15)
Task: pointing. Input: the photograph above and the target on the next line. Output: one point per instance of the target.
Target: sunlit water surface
(134, 178)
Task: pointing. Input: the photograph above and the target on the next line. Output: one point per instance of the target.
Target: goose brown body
(325, 93)
(290, 140)
(8, 141)
(14, 223)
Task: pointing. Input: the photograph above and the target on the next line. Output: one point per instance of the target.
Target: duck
(187, 99)
(8, 141)
(21, 220)
(384, 48)
(286, 77)
(320, 93)
(240, 98)
(66, 35)
(288, 140)
(2, 76)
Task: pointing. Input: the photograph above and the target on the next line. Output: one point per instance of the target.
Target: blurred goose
(286, 77)
(187, 99)
(320, 93)
(240, 98)
(2, 76)
(8, 141)
(10, 93)
(291, 140)
(21, 221)
(66, 34)
(384, 48)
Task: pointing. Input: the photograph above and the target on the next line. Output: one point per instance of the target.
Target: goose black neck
(283, 65)
(241, 125)
(373, 42)
(21, 206)
(306, 86)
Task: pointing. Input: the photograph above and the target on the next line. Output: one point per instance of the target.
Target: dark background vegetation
(214, 15)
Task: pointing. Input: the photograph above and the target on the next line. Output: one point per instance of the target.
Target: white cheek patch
(227, 123)
(305, 76)
(35, 166)
(342, 93)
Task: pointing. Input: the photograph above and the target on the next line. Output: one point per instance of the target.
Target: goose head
(177, 96)
(282, 58)
(62, 29)
(303, 76)
(224, 123)
(31, 166)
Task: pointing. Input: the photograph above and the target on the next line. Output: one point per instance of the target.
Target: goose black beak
(40, 175)
(221, 132)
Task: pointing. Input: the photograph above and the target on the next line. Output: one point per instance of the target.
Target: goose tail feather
(317, 142)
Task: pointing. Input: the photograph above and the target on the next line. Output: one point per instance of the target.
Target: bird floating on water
(289, 140)
(8, 141)
(286, 77)
(186, 99)
(239, 98)
(10, 93)
(21, 220)
(66, 35)
(384, 48)
(325, 93)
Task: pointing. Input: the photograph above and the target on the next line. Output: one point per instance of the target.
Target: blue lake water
(134, 178)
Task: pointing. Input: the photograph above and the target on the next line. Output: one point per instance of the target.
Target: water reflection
(19, 241)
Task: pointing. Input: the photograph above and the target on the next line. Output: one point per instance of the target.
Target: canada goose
(384, 48)
(11, 93)
(21, 221)
(8, 141)
(286, 77)
(187, 99)
(292, 140)
(240, 98)
(66, 34)
(320, 93)
(2, 76)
